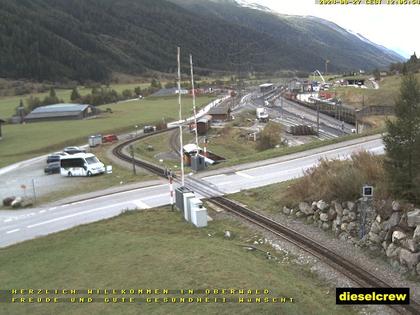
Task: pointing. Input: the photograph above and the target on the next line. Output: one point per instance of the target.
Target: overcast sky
(393, 26)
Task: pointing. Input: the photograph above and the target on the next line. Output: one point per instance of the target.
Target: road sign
(367, 191)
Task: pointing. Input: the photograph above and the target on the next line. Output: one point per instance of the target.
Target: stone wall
(386, 227)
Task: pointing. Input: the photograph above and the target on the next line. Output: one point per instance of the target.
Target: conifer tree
(402, 142)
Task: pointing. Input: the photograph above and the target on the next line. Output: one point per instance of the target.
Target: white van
(81, 164)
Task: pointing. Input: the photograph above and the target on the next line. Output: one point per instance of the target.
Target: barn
(220, 112)
(60, 112)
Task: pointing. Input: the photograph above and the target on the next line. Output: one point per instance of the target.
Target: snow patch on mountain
(256, 6)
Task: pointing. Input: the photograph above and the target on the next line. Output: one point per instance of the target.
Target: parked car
(73, 150)
(52, 168)
(55, 157)
(148, 129)
(109, 138)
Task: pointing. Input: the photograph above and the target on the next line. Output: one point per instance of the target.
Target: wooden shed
(203, 124)
(220, 112)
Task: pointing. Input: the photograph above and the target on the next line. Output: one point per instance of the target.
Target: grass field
(226, 143)
(156, 249)
(269, 198)
(24, 141)
(386, 94)
(151, 149)
(282, 150)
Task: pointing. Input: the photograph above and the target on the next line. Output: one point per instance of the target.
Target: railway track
(355, 273)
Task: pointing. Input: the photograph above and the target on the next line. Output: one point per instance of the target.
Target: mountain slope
(89, 39)
(310, 40)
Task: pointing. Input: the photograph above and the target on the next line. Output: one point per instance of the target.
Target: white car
(81, 164)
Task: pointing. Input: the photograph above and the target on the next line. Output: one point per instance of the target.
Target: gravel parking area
(30, 175)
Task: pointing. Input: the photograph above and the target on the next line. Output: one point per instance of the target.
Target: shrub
(270, 136)
(341, 180)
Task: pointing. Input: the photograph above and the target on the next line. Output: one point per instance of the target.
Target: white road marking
(12, 231)
(223, 183)
(156, 196)
(242, 174)
(75, 215)
(7, 220)
(140, 204)
(214, 176)
(42, 211)
(51, 209)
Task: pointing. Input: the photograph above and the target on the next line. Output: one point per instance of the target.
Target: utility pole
(281, 106)
(194, 108)
(317, 117)
(180, 116)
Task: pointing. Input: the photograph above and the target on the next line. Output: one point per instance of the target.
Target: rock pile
(390, 228)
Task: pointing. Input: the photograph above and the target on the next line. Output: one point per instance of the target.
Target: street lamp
(136, 129)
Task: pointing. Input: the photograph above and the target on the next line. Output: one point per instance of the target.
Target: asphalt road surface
(17, 226)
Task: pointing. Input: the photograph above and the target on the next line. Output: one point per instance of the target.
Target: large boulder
(393, 221)
(351, 205)
(305, 208)
(398, 236)
(396, 206)
(286, 210)
(352, 216)
(375, 228)
(408, 258)
(322, 205)
(374, 238)
(332, 214)
(299, 214)
(413, 218)
(346, 219)
(343, 226)
(324, 217)
(416, 235)
(338, 208)
(326, 226)
(337, 221)
(411, 245)
(392, 250)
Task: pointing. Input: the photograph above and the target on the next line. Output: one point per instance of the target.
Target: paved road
(17, 226)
